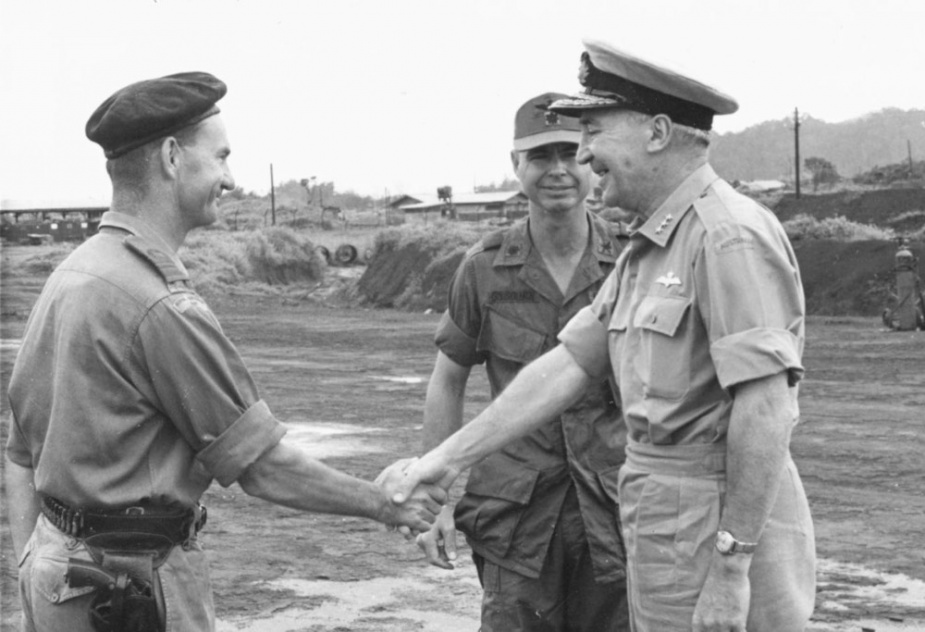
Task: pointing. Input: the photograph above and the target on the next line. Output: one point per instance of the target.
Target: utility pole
(272, 198)
(796, 145)
(909, 148)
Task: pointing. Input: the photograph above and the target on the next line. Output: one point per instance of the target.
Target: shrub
(836, 228)
(275, 256)
(437, 238)
(282, 256)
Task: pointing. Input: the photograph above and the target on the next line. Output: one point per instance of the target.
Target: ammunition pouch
(127, 548)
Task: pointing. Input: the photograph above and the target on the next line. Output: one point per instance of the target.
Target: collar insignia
(668, 279)
(665, 223)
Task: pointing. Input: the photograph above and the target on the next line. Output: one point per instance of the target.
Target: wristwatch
(728, 545)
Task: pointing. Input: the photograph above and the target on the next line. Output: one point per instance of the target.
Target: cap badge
(668, 279)
(584, 70)
(550, 117)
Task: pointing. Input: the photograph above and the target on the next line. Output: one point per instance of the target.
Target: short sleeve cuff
(756, 353)
(585, 338)
(245, 441)
(17, 450)
(455, 343)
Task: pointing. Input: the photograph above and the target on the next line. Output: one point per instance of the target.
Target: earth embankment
(902, 209)
(839, 278)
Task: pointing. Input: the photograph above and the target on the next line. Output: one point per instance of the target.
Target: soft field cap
(536, 125)
(616, 79)
(145, 111)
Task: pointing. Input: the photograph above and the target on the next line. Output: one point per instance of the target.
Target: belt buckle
(135, 511)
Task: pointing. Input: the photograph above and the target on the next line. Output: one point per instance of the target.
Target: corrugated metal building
(56, 224)
(470, 207)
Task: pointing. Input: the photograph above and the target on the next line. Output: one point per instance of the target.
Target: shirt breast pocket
(663, 361)
(509, 339)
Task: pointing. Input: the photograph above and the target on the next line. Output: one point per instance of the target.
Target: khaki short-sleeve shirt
(706, 296)
(125, 386)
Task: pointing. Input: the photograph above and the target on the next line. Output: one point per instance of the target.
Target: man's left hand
(724, 599)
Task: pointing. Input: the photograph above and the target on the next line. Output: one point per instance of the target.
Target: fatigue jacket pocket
(663, 360)
(509, 339)
(497, 494)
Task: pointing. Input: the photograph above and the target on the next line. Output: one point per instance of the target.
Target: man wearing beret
(128, 400)
(701, 327)
(541, 514)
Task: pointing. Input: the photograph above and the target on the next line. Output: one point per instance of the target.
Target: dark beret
(145, 111)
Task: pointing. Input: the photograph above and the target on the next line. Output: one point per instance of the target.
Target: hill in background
(766, 151)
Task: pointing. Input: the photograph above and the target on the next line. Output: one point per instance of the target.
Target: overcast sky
(403, 96)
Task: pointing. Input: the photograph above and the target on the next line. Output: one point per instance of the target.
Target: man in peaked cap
(701, 328)
(128, 400)
(541, 514)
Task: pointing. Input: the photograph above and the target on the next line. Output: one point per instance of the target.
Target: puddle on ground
(377, 604)
(328, 439)
(383, 604)
(866, 590)
(411, 379)
(872, 586)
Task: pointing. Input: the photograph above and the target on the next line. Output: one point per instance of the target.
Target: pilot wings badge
(668, 279)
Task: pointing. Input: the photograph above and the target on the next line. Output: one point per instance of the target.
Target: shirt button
(55, 597)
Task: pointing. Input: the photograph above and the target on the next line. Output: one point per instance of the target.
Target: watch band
(726, 544)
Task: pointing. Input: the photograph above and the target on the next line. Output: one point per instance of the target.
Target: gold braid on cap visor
(614, 91)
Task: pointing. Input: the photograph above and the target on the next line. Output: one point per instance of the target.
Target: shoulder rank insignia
(159, 259)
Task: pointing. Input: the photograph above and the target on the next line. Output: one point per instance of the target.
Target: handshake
(415, 491)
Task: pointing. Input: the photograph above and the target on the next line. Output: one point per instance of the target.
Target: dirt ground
(351, 385)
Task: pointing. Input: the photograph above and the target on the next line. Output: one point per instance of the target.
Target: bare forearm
(287, 476)
(756, 451)
(539, 393)
(443, 408)
(757, 447)
(23, 504)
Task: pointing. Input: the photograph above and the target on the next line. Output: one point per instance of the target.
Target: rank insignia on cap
(536, 125)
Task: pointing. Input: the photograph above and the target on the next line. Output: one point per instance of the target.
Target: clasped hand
(411, 508)
(416, 490)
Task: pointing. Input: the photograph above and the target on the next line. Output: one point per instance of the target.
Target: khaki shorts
(670, 503)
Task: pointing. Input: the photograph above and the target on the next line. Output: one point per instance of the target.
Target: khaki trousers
(670, 503)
